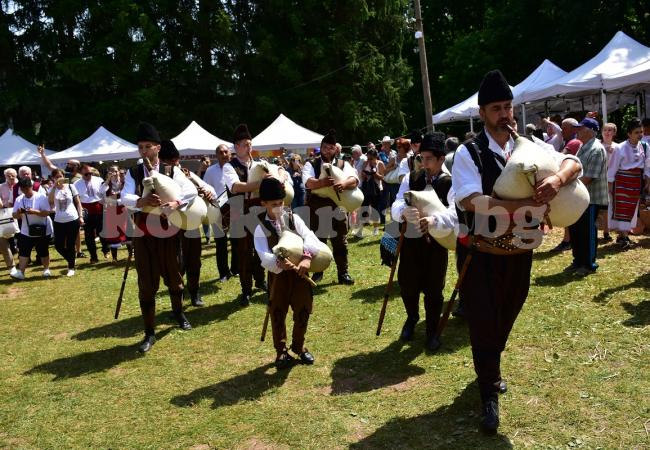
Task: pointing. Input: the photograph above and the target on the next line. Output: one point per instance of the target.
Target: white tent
(14, 150)
(622, 53)
(102, 145)
(545, 73)
(285, 133)
(196, 141)
(635, 76)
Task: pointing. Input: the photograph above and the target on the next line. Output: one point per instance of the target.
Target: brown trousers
(423, 269)
(340, 228)
(494, 291)
(155, 258)
(288, 289)
(250, 265)
(191, 261)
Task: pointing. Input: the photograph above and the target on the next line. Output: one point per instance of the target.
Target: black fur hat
(147, 132)
(241, 133)
(168, 150)
(434, 143)
(329, 138)
(271, 189)
(494, 88)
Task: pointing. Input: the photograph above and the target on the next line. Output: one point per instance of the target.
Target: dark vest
(317, 164)
(486, 162)
(273, 238)
(441, 185)
(242, 172)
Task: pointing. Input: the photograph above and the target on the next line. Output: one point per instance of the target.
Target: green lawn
(577, 366)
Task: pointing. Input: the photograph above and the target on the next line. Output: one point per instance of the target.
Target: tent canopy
(622, 53)
(546, 73)
(637, 75)
(100, 146)
(196, 140)
(285, 133)
(15, 150)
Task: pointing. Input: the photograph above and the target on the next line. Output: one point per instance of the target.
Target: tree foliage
(68, 66)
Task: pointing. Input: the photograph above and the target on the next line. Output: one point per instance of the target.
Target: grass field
(577, 365)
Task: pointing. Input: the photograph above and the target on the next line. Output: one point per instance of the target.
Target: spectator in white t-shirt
(33, 209)
(64, 200)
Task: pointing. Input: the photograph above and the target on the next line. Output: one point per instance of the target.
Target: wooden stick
(389, 286)
(126, 274)
(445, 317)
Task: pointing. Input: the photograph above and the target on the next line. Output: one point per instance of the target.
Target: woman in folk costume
(115, 217)
(287, 283)
(423, 261)
(625, 182)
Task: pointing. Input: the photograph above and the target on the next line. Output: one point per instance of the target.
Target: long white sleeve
(267, 258)
(310, 241)
(128, 195)
(399, 204)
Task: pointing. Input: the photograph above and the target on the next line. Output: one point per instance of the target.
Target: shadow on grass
(248, 386)
(450, 426)
(642, 281)
(392, 366)
(91, 362)
(375, 294)
(132, 326)
(368, 241)
(640, 314)
(557, 279)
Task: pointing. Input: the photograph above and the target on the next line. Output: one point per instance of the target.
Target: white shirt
(129, 197)
(214, 177)
(64, 207)
(89, 192)
(557, 141)
(625, 157)
(358, 164)
(230, 176)
(267, 258)
(466, 179)
(308, 172)
(7, 194)
(447, 220)
(39, 202)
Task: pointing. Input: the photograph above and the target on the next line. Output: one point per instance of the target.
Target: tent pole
(638, 106)
(603, 100)
(523, 117)
(471, 124)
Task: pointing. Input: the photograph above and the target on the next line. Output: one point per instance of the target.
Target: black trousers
(584, 239)
(494, 291)
(222, 256)
(65, 238)
(92, 228)
(423, 269)
(190, 263)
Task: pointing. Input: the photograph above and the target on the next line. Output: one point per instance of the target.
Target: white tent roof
(15, 150)
(620, 54)
(100, 146)
(545, 73)
(285, 133)
(196, 140)
(639, 74)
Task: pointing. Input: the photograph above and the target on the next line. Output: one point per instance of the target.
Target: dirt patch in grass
(258, 444)
(12, 293)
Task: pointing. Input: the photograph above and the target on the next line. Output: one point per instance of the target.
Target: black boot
(409, 328)
(317, 276)
(182, 321)
(147, 343)
(433, 344)
(490, 415)
(245, 299)
(197, 300)
(345, 278)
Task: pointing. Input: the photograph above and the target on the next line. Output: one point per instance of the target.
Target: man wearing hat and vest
(337, 230)
(155, 242)
(235, 175)
(496, 283)
(190, 262)
(423, 261)
(411, 163)
(287, 286)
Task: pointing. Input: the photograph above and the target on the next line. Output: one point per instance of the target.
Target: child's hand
(303, 266)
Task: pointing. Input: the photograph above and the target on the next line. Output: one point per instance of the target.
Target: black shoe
(606, 238)
(490, 417)
(94, 260)
(458, 311)
(562, 246)
(345, 278)
(262, 286)
(306, 357)
(503, 387)
(245, 299)
(283, 360)
(433, 344)
(317, 276)
(197, 301)
(571, 268)
(147, 343)
(409, 329)
(235, 274)
(182, 321)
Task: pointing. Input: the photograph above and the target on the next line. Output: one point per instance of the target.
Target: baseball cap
(590, 123)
